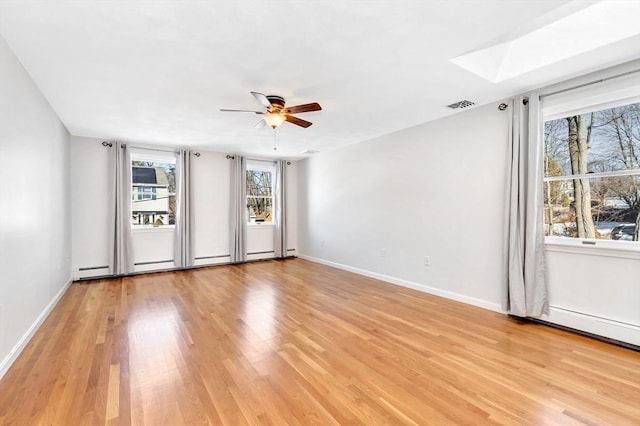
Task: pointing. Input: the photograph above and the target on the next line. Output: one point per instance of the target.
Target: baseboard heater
(579, 332)
(99, 277)
(92, 268)
(268, 252)
(212, 257)
(153, 262)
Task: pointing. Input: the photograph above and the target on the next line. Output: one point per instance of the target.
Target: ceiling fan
(276, 112)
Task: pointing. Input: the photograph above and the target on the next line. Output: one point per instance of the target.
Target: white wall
(292, 208)
(152, 247)
(89, 189)
(35, 220)
(211, 184)
(379, 207)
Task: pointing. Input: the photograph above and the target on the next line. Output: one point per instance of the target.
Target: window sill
(619, 249)
(145, 229)
(260, 225)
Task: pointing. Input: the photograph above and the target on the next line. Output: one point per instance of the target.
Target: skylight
(585, 30)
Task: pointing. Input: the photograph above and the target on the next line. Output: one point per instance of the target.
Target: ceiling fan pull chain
(275, 143)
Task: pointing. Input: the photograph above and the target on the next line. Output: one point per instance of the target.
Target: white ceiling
(157, 72)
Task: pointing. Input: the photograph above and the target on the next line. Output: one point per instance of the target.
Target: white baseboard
(623, 332)
(410, 284)
(259, 256)
(8, 361)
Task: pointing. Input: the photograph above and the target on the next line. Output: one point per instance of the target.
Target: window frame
(150, 156)
(262, 166)
(576, 106)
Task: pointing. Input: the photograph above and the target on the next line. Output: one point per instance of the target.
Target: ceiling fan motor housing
(276, 101)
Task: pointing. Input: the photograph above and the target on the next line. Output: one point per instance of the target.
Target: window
(592, 174)
(153, 201)
(260, 178)
(145, 192)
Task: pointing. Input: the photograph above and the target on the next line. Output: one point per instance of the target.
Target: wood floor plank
(298, 343)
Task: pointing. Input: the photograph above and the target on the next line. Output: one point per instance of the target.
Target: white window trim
(594, 175)
(155, 156)
(607, 94)
(261, 224)
(151, 228)
(607, 248)
(262, 166)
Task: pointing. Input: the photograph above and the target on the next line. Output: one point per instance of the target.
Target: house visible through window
(592, 174)
(260, 178)
(146, 192)
(152, 192)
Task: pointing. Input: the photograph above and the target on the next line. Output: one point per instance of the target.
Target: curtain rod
(110, 144)
(232, 157)
(602, 80)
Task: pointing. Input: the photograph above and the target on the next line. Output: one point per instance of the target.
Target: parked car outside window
(623, 232)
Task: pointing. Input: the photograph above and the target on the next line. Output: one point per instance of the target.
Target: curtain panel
(237, 210)
(525, 288)
(280, 210)
(183, 235)
(120, 240)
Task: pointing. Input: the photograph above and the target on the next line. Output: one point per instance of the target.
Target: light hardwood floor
(293, 342)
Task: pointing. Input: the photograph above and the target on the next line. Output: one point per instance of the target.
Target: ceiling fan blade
(302, 108)
(260, 124)
(240, 110)
(262, 99)
(297, 121)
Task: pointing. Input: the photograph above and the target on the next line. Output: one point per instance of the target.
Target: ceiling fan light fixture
(274, 119)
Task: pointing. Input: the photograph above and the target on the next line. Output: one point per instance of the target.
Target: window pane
(259, 195)
(153, 193)
(259, 183)
(601, 208)
(259, 209)
(600, 141)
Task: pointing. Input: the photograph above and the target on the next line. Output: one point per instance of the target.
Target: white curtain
(525, 289)
(280, 210)
(120, 244)
(183, 235)
(238, 210)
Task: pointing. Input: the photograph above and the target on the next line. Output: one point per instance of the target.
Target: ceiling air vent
(461, 104)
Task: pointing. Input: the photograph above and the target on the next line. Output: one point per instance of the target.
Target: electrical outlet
(427, 261)
(383, 252)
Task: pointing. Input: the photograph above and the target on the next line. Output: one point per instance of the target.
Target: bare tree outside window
(592, 174)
